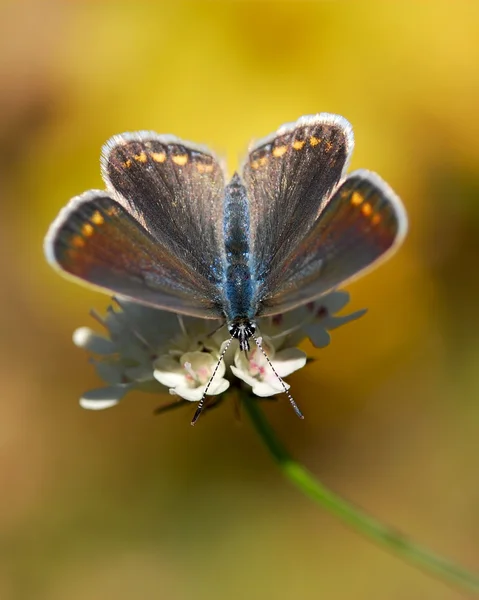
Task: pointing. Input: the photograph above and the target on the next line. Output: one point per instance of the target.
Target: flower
(262, 367)
(193, 375)
(151, 350)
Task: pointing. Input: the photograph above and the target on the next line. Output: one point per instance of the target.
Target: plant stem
(387, 537)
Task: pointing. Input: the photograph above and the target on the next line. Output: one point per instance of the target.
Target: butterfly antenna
(201, 403)
(285, 389)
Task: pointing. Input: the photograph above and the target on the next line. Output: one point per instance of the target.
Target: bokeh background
(118, 504)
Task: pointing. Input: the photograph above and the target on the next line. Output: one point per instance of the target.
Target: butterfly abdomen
(239, 281)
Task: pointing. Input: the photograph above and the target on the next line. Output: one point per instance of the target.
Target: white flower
(151, 350)
(255, 370)
(189, 376)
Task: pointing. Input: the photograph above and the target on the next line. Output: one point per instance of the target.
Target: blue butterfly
(169, 232)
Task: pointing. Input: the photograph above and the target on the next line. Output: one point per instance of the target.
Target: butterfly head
(242, 329)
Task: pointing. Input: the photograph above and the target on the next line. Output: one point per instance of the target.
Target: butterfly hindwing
(361, 224)
(95, 240)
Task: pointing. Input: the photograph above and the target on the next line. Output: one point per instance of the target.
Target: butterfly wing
(362, 224)
(307, 238)
(175, 189)
(140, 238)
(288, 176)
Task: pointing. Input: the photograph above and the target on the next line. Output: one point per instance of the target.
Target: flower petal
(333, 302)
(334, 322)
(168, 371)
(195, 394)
(288, 360)
(102, 398)
(318, 335)
(243, 374)
(263, 389)
(86, 338)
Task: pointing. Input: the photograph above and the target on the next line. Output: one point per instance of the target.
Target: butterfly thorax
(239, 281)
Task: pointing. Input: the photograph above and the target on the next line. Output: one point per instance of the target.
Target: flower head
(151, 350)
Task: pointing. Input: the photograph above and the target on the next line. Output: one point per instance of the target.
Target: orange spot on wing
(376, 219)
(314, 141)
(87, 230)
(367, 209)
(356, 199)
(279, 150)
(298, 144)
(180, 159)
(141, 157)
(97, 218)
(78, 241)
(158, 156)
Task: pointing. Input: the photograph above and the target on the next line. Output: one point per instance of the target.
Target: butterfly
(170, 231)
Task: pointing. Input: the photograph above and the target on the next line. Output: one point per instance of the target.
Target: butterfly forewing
(95, 240)
(288, 177)
(362, 223)
(176, 190)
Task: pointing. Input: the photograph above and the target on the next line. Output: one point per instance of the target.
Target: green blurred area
(122, 505)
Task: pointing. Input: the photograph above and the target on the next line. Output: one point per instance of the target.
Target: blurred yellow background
(118, 504)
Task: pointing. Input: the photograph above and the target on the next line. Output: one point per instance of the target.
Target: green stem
(353, 516)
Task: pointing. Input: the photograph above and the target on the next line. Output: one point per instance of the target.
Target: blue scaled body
(239, 282)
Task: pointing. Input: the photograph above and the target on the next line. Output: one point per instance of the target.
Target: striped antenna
(285, 389)
(201, 404)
